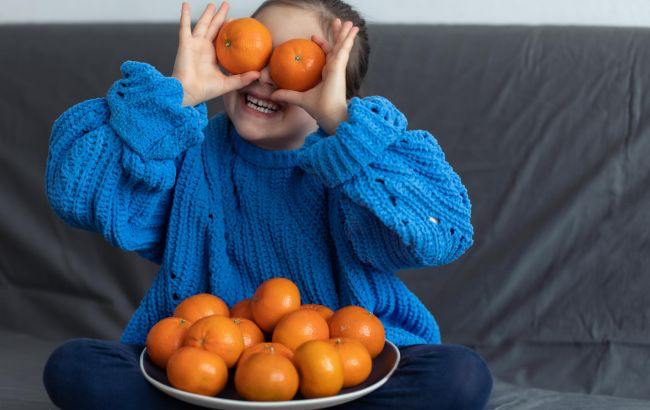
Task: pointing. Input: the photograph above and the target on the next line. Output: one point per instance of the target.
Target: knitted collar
(261, 156)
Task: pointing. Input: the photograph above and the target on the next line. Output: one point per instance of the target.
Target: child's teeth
(263, 103)
(261, 109)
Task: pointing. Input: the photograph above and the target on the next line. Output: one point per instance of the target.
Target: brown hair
(328, 11)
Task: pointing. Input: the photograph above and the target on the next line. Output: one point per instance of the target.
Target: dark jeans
(86, 373)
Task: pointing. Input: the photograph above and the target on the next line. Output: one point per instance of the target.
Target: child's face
(287, 127)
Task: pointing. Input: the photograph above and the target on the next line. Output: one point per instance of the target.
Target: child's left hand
(327, 102)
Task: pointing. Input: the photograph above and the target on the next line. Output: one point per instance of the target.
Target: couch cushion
(23, 358)
(507, 396)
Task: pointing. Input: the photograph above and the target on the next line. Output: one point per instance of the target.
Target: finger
(344, 52)
(336, 27)
(348, 43)
(202, 25)
(322, 43)
(345, 29)
(185, 29)
(235, 82)
(338, 59)
(217, 21)
(287, 96)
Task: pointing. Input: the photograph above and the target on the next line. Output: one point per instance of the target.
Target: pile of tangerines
(272, 344)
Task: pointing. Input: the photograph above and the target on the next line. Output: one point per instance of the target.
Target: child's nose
(265, 76)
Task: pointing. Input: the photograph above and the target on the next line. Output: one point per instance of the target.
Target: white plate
(383, 367)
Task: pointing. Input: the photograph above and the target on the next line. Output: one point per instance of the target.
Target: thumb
(235, 82)
(287, 96)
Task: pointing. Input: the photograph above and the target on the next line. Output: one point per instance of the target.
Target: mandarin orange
(243, 45)
(266, 377)
(201, 305)
(297, 64)
(197, 371)
(299, 326)
(217, 334)
(242, 309)
(357, 323)
(357, 363)
(320, 369)
(322, 309)
(273, 299)
(164, 338)
(250, 331)
(268, 348)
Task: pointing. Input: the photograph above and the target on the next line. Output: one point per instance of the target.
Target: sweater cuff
(147, 113)
(373, 124)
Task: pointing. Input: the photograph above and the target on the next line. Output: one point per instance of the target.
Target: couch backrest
(545, 125)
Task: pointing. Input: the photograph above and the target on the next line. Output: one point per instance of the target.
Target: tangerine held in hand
(267, 348)
(320, 369)
(164, 338)
(243, 45)
(197, 371)
(297, 64)
(201, 305)
(273, 299)
(217, 334)
(299, 326)
(266, 377)
(357, 363)
(357, 323)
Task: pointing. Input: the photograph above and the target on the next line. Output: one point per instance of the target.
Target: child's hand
(326, 102)
(196, 61)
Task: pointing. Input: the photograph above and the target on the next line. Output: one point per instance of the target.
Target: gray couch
(545, 125)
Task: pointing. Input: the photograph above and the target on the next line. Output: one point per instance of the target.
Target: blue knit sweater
(339, 216)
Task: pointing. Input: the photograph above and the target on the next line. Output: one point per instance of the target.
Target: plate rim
(262, 404)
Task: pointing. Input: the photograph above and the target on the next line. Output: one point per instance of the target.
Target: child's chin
(251, 132)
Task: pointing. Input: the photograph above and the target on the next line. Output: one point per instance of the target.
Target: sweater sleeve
(402, 203)
(112, 161)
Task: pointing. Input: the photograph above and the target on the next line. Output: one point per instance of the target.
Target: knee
(59, 371)
(60, 359)
(469, 377)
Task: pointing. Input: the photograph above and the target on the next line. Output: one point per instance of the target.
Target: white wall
(582, 12)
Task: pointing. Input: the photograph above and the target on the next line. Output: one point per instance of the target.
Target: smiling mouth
(260, 105)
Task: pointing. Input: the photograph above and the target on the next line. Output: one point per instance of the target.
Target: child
(324, 187)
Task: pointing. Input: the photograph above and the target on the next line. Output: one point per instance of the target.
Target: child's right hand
(196, 61)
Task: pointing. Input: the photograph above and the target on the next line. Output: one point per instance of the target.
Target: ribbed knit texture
(339, 216)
